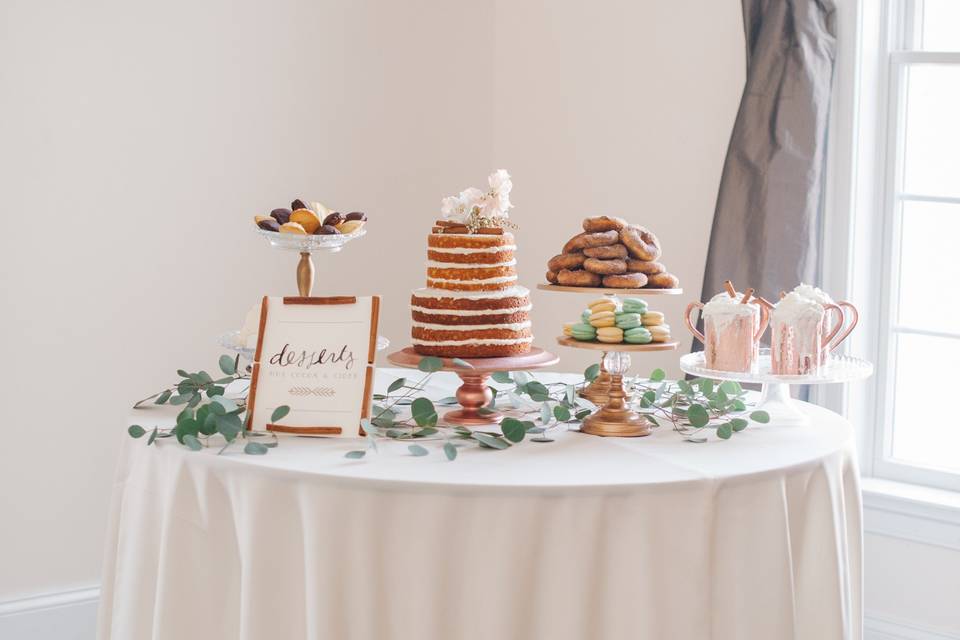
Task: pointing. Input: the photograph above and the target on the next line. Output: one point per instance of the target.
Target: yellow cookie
(306, 219)
(603, 319)
(611, 335)
(349, 226)
(660, 332)
(259, 219)
(652, 318)
(293, 227)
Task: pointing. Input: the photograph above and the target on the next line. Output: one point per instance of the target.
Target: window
(917, 178)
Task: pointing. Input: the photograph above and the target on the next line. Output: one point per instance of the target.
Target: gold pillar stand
(305, 273)
(614, 418)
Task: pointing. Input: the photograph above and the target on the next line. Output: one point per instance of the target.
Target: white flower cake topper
(476, 208)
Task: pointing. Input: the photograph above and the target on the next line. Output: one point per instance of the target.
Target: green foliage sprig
(543, 407)
(691, 406)
(207, 412)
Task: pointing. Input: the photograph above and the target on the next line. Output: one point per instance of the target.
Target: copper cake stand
(598, 391)
(474, 394)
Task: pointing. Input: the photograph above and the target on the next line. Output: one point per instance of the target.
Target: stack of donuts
(611, 253)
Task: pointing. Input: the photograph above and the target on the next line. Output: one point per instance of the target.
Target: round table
(758, 537)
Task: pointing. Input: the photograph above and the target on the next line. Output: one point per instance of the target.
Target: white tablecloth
(758, 537)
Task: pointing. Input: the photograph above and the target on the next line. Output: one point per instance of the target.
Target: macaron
(660, 332)
(568, 328)
(583, 332)
(293, 227)
(585, 316)
(611, 335)
(637, 335)
(306, 219)
(628, 320)
(602, 305)
(652, 318)
(603, 318)
(634, 305)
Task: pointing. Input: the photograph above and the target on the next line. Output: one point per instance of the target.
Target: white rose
(452, 208)
(500, 182)
(471, 198)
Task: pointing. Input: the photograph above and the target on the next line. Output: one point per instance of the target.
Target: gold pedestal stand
(474, 394)
(305, 274)
(306, 246)
(614, 418)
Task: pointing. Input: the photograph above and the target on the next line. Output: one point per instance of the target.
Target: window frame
(875, 90)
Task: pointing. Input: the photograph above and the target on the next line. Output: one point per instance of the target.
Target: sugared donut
(566, 261)
(605, 267)
(603, 223)
(647, 268)
(607, 252)
(640, 242)
(625, 281)
(586, 239)
(552, 277)
(663, 281)
(578, 278)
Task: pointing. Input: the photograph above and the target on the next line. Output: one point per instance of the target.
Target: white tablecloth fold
(757, 538)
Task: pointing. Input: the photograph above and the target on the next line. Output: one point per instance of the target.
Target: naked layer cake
(472, 306)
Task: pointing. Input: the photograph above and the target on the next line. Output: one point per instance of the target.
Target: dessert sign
(314, 355)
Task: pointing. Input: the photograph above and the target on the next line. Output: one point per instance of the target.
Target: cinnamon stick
(730, 290)
(746, 295)
(766, 303)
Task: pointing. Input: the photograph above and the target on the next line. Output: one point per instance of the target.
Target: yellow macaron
(603, 319)
(568, 328)
(659, 332)
(652, 318)
(611, 335)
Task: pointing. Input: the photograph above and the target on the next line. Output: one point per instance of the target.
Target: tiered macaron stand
(306, 246)
(775, 390)
(475, 394)
(614, 418)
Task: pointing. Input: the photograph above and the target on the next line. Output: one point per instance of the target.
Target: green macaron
(637, 335)
(583, 332)
(629, 320)
(634, 305)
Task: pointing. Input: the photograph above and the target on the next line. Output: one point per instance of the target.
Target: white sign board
(314, 355)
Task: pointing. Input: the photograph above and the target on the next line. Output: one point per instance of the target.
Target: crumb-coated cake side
(472, 306)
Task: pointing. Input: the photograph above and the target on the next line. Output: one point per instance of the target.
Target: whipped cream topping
(811, 292)
(472, 312)
(513, 326)
(795, 308)
(509, 292)
(472, 341)
(433, 264)
(493, 248)
(723, 305)
(496, 280)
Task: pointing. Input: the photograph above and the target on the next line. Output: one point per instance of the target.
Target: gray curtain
(767, 224)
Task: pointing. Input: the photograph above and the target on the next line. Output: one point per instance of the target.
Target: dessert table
(757, 537)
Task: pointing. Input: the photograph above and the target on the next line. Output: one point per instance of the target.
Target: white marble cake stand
(775, 392)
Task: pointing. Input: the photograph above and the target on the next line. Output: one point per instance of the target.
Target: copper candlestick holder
(475, 394)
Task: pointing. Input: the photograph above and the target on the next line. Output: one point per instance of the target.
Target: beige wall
(139, 139)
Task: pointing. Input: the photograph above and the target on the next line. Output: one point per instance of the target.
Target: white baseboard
(66, 615)
(877, 627)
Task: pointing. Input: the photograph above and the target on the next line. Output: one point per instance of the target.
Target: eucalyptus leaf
(739, 424)
(590, 373)
(731, 387)
(396, 384)
(136, 431)
(417, 451)
(163, 397)
(698, 416)
(214, 391)
(153, 436)
(545, 413)
(737, 405)
(658, 375)
(698, 440)
(706, 386)
(180, 399)
(256, 449)
(182, 373)
(450, 401)
(725, 430)
(279, 413)
(521, 378)
(571, 395)
(760, 416)
(192, 442)
(489, 441)
(425, 432)
(513, 429)
(685, 387)
(423, 412)
(194, 400)
(228, 365)
(204, 377)
(186, 414)
(355, 455)
(583, 413)
(429, 364)
(561, 413)
(450, 451)
(462, 363)
(653, 420)
(227, 403)
(503, 377)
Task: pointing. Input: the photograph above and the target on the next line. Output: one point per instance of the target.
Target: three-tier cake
(472, 306)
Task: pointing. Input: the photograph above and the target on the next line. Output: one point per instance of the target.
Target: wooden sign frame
(256, 395)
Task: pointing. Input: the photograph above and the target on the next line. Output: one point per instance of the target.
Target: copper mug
(802, 348)
(840, 308)
(732, 344)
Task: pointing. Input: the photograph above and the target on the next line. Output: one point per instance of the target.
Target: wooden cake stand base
(475, 394)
